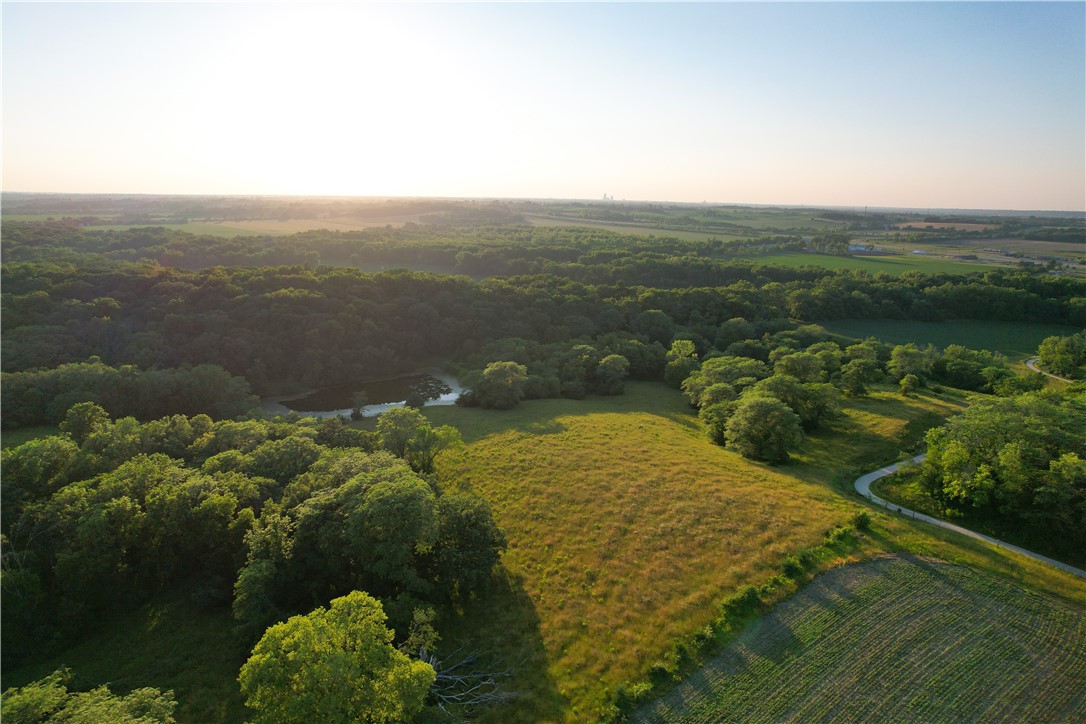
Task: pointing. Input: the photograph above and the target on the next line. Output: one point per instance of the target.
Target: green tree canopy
(334, 665)
(763, 428)
(501, 385)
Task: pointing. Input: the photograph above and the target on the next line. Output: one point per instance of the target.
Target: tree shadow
(503, 626)
(539, 417)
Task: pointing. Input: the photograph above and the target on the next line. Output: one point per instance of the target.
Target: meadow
(896, 639)
(626, 526)
(1017, 340)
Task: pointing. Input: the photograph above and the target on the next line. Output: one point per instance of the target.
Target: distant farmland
(896, 639)
(1014, 339)
(873, 264)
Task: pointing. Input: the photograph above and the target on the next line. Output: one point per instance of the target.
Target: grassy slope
(1017, 340)
(626, 526)
(939, 643)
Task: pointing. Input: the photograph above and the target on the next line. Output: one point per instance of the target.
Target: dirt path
(863, 487)
(1032, 364)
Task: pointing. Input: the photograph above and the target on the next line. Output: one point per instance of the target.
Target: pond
(381, 395)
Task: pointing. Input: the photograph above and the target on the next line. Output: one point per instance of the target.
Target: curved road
(863, 487)
(1032, 364)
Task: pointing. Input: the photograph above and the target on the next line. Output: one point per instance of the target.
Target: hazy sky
(970, 105)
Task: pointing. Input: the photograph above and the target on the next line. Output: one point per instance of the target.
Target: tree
(406, 433)
(739, 372)
(909, 384)
(908, 359)
(804, 366)
(682, 359)
(856, 375)
(358, 400)
(813, 402)
(426, 389)
(763, 428)
(468, 545)
(611, 374)
(398, 428)
(84, 420)
(1063, 355)
(48, 699)
(334, 664)
(501, 386)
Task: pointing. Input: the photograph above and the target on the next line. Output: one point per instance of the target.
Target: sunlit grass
(627, 526)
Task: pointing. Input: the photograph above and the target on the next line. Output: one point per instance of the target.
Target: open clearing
(1017, 340)
(626, 526)
(896, 639)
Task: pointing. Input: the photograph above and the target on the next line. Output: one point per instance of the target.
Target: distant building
(919, 251)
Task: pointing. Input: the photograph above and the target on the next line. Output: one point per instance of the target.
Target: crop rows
(897, 639)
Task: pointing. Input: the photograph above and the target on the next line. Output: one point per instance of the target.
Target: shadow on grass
(504, 626)
(539, 417)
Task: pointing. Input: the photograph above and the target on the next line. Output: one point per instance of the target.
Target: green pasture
(16, 437)
(1017, 340)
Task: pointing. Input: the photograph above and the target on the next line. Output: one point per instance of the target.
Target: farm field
(636, 229)
(874, 264)
(272, 227)
(900, 638)
(615, 554)
(1017, 340)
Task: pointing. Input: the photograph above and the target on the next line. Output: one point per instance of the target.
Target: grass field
(896, 639)
(874, 264)
(14, 438)
(626, 526)
(1017, 340)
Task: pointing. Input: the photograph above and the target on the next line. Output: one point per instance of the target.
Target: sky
(919, 104)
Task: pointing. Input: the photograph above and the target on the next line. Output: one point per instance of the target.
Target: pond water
(381, 395)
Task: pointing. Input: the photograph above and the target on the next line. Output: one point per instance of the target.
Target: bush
(792, 568)
(839, 536)
(862, 520)
(740, 603)
(660, 673)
